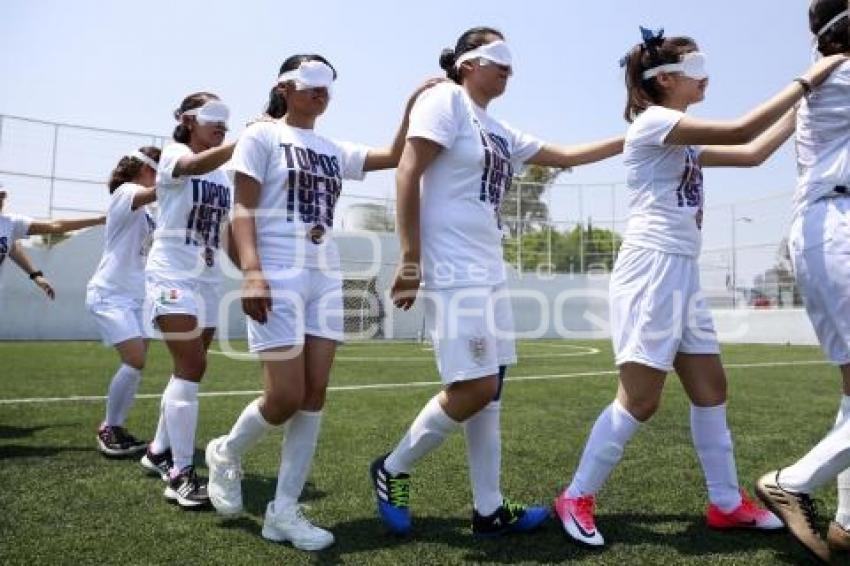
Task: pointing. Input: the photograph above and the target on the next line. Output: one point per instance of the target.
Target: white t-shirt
(128, 239)
(301, 175)
(12, 228)
(193, 211)
(664, 183)
(823, 140)
(462, 190)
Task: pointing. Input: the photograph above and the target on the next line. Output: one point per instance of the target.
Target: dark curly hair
(129, 167)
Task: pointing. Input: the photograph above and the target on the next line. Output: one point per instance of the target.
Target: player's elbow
(753, 158)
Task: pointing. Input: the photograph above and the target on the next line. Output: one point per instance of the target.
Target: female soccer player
(14, 227)
(288, 179)
(465, 160)
(183, 278)
(116, 292)
(820, 251)
(659, 320)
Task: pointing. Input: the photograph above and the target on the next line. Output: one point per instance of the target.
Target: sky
(127, 65)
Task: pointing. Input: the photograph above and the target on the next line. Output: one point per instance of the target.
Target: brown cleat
(838, 540)
(797, 511)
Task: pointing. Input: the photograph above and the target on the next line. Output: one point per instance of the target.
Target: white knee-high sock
(605, 446)
(842, 514)
(829, 458)
(181, 420)
(248, 429)
(713, 443)
(121, 394)
(160, 442)
(484, 452)
(299, 446)
(431, 426)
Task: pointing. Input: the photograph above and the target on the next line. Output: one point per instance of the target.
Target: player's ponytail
(469, 40)
(182, 133)
(129, 167)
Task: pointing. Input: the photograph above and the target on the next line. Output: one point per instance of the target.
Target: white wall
(574, 306)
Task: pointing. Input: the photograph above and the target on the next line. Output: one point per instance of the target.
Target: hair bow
(652, 38)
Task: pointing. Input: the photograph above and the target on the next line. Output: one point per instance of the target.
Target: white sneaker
(290, 524)
(225, 482)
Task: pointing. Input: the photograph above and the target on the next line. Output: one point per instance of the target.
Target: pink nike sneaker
(576, 514)
(748, 515)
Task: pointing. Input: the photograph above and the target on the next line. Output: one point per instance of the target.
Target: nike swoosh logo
(580, 528)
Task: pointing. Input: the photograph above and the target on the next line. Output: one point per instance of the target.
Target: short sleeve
(840, 76)
(524, 146)
(122, 201)
(654, 125)
(168, 161)
(252, 152)
(435, 115)
(20, 226)
(353, 157)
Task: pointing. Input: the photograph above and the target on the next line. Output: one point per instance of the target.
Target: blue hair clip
(652, 38)
(624, 60)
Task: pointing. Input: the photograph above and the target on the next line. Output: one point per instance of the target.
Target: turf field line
(577, 351)
(373, 386)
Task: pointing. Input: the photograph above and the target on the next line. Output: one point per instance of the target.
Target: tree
(562, 251)
(522, 209)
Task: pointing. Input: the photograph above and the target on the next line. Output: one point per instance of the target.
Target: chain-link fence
(561, 228)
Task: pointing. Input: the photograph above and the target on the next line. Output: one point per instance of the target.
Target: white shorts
(118, 318)
(657, 309)
(304, 302)
(200, 299)
(820, 252)
(472, 330)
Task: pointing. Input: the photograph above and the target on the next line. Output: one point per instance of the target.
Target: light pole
(735, 221)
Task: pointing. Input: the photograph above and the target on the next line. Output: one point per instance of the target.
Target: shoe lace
(584, 510)
(399, 491)
(298, 517)
(515, 510)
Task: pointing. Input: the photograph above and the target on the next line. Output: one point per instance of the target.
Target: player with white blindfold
(819, 245)
(288, 179)
(457, 166)
(115, 294)
(309, 75)
(659, 318)
(212, 112)
(183, 281)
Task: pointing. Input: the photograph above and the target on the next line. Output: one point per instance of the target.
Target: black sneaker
(187, 489)
(508, 518)
(116, 442)
(157, 464)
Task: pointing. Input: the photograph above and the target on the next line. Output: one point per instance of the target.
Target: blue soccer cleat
(393, 497)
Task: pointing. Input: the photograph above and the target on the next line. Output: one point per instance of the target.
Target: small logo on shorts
(169, 296)
(317, 234)
(478, 348)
